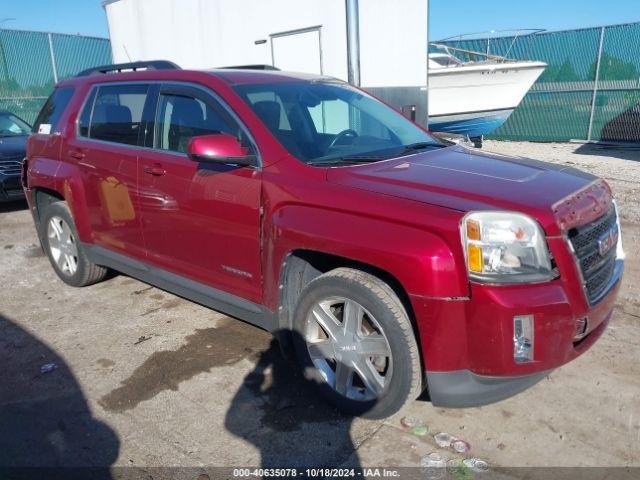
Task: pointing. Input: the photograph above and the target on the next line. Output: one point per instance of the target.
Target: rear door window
(49, 116)
(116, 114)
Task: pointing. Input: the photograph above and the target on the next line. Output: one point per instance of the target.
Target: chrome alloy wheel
(349, 348)
(62, 245)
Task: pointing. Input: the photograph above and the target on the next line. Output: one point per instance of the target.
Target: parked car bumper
(468, 344)
(10, 188)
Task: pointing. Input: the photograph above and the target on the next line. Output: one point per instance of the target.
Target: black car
(13, 145)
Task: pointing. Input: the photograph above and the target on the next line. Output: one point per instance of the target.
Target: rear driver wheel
(65, 252)
(355, 341)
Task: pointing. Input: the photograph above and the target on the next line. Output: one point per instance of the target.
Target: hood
(466, 180)
(13, 146)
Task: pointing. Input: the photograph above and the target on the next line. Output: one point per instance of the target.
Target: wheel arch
(301, 266)
(43, 197)
(63, 185)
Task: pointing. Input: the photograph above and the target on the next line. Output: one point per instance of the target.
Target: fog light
(581, 328)
(523, 338)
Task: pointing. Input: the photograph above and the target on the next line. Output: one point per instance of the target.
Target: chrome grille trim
(11, 165)
(598, 272)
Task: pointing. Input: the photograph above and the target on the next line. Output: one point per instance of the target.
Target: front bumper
(462, 388)
(10, 188)
(468, 346)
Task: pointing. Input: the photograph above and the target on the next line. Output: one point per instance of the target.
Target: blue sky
(447, 17)
(453, 17)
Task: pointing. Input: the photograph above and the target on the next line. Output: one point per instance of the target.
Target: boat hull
(474, 124)
(474, 100)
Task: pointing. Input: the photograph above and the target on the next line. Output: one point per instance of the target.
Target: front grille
(11, 165)
(597, 270)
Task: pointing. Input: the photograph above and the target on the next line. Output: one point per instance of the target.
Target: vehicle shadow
(45, 420)
(615, 150)
(13, 206)
(623, 127)
(281, 413)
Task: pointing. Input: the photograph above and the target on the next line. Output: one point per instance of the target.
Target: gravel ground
(146, 379)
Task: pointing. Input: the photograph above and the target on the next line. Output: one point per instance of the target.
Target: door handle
(77, 155)
(155, 170)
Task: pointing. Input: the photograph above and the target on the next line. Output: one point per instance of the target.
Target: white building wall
(393, 43)
(213, 33)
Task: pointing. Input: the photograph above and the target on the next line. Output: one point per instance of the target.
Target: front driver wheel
(355, 341)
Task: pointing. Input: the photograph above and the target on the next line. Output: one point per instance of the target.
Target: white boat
(476, 96)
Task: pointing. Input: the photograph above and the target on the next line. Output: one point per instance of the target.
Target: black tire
(86, 272)
(381, 301)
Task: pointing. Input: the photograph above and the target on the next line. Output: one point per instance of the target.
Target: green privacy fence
(589, 91)
(32, 62)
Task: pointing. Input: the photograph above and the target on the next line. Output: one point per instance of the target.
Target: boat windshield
(443, 60)
(332, 122)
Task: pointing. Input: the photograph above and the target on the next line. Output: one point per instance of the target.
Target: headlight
(505, 247)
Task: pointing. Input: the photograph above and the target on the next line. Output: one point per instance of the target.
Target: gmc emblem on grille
(607, 240)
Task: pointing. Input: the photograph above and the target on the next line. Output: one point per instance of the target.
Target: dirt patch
(165, 306)
(33, 251)
(106, 363)
(165, 370)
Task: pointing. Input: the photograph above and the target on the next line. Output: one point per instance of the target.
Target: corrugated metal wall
(589, 91)
(32, 62)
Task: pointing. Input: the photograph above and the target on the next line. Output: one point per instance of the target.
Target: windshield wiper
(348, 159)
(414, 147)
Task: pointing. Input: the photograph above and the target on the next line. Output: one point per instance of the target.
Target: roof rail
(134, 66)
(250, 67)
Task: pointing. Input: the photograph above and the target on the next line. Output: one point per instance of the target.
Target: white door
(297, 51)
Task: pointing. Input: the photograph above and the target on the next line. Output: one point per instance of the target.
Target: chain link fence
(589, 91)
(32, 62)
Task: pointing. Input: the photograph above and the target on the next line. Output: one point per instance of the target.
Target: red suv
(301, 204)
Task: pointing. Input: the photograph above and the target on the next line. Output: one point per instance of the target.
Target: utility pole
(353, 42)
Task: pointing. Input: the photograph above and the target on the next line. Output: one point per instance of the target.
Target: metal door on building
(297, 50)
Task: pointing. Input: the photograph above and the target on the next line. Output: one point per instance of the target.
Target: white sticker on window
(44, 128)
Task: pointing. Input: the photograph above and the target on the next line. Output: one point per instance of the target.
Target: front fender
(422, 261)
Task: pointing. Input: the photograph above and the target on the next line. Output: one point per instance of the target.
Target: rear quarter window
(49, 116)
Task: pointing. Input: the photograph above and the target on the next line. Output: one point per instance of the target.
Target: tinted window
(271, 101)
(52, 110)
(117, 113)
(11, 125)
(180, 118)
(319, 122)
(85, 117)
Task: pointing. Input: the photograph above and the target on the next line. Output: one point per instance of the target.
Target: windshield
(11, 126)
(329, 123)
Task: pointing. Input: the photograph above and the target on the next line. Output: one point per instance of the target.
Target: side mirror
(219, 148)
